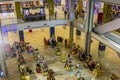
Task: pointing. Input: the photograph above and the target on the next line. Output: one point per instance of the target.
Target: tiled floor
(110, 61)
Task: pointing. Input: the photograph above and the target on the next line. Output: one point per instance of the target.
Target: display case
(33, 13)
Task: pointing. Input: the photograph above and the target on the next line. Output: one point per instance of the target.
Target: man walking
(55, 15)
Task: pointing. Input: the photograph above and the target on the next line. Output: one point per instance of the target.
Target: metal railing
(15, 20)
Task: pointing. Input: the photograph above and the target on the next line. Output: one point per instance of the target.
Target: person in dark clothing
(65, 13)
(82, 14)
(55, 15)
(65, 43)
(76, 14)
(29, 70)
(83, 57)
(68, 15)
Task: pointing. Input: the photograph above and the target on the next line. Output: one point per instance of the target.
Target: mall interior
(59, 40)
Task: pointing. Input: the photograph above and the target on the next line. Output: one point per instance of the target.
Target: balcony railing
(15, 20)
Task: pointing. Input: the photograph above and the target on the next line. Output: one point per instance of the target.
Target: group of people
(68, 63)
(80, 14)
(21, 47)
(114, 14)
(23, 68)
(41, 66)
(66, 14)
(77, 14)
(52, 41)
(16, 48)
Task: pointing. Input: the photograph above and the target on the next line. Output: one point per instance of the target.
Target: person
(29, 70)
(91, 65)
(68, 15)
(45, 41)
(69, 58)
(38, 68)
(44, 66)
(65, 43)
(50, 75)
(82, 14)
(22, 68)
(68, 65)
(55, 14)
(79, 54)
(78, 75)
(21, 59)
(65, 13)
(76, 14)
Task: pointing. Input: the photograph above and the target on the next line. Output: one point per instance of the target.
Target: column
(79, 7)
(78, 32)
(51, 15)
(106, 13)
(19, 15)
(101, 50)
(89, 24)
(3, 66)
(51, 9)
(21, 35)
(18, 10)
(71, 15)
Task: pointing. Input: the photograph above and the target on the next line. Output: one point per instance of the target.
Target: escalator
(108, 27)
(109, 39)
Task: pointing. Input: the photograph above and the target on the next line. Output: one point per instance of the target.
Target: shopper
(65, 43)
(55, 15)
(76, 14)
(68, 15)
(82, 14)
(45, 42)
(65, 13)
(69, 58)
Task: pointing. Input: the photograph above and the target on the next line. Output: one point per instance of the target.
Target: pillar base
(51, 18)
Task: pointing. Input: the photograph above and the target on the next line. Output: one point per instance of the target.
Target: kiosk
(33, 13)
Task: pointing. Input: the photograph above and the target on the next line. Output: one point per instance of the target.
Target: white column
(89, 25)
(71, 15)
(2, 54)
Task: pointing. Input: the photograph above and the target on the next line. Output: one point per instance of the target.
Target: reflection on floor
(110, 61)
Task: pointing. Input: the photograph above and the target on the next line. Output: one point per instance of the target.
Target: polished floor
(110, 60)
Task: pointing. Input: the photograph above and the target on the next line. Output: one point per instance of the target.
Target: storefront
(6, 7)
(33, 13)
